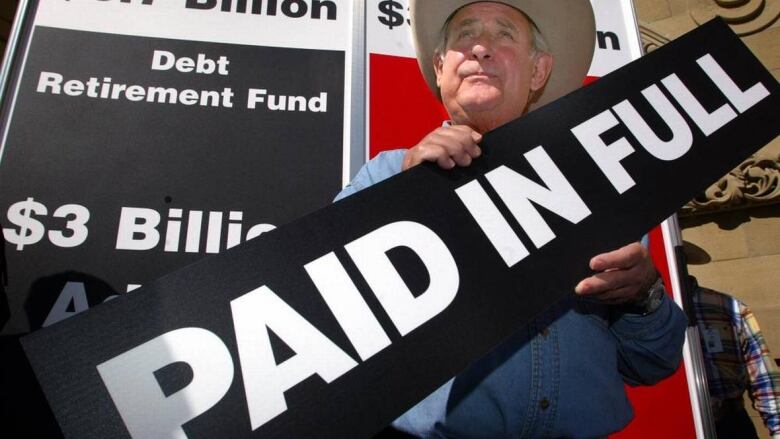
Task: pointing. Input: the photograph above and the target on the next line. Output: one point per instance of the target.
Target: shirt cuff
(630, 325)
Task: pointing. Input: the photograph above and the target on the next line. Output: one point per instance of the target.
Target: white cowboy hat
(568, 28)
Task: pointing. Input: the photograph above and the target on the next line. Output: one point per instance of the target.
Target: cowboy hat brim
(568, 27)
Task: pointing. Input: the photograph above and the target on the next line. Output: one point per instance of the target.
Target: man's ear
(543, 63)
(437, 66)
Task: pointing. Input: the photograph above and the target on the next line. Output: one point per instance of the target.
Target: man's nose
(482, 48)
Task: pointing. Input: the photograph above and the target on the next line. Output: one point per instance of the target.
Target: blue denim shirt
(560, 376)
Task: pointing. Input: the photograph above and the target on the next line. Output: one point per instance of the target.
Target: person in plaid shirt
(736, 359)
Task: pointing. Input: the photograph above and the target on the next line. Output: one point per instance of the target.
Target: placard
(143, 136)
(375, 301)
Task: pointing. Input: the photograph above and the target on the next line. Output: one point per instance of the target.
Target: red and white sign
(401, 110)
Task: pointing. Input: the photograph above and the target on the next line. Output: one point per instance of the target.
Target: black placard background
(492, 302)
(108, 154)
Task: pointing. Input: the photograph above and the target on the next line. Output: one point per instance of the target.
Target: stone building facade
(732, 231)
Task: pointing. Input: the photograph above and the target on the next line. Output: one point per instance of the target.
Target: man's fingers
(633, 278)
(604, 281)
(610, 292)
(622, 258)
(432, 152)
(459, 140)
(445, 162)
(472, 146)
(447, 146)
(462, 159)
(622, 275)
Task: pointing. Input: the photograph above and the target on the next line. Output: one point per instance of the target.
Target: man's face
(487, 72)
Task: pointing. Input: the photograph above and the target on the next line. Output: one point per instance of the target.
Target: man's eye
(507, 35)
(465, 34)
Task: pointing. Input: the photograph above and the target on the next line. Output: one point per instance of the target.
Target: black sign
(138, 138)
(146, 154)
(333, 325)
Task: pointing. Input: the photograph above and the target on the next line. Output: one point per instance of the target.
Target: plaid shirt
(736, 357)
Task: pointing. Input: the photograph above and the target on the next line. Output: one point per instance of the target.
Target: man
(736, 359)
(562, 375)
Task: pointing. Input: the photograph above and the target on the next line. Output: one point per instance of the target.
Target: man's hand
(623, 275)
(447, 146)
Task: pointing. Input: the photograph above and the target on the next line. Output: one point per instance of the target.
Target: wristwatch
(652, 299)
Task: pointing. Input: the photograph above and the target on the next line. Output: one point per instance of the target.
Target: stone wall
(732, 232)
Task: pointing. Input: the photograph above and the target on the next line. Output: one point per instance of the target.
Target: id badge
(712, 341)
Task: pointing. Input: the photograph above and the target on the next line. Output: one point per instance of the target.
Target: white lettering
(682, 137)
(49, 80)
(74, 293)
(74, 88)
(517, 192)
(214, 233)
(347, 305)
(265, 382)
(173, 232)
(319, 104)
(165, 60)
(162, 60)
(742, 100)
(708, 123)
(607, 157)
(492, 223)
(258, 229)
(135, 221)
(406, 311)
(194, 224)
(255, 97)
(315, 104)
(144, 408)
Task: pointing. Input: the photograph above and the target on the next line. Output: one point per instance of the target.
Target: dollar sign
(30, 229)
(394, 18)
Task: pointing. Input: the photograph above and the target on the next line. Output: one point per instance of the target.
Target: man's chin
(480, 96)
(479, 105)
